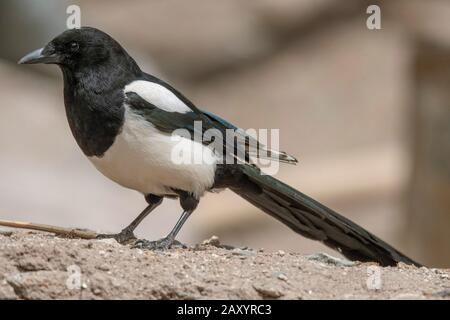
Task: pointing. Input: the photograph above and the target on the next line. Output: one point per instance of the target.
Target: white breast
(142, 158)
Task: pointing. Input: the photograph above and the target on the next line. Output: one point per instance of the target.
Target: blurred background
(367, 112)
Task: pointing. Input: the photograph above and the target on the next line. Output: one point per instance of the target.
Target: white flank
(157, 95)
(140, 159)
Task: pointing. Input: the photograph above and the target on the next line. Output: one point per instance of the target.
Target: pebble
(268, 292)
(281, 253)
(97, 291)
(324, 258)
(103, 267)
(282, 277)
(213, 241)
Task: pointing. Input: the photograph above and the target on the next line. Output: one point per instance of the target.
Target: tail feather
(315, 221)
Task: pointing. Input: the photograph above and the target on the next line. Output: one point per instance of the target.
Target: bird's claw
(124, 237)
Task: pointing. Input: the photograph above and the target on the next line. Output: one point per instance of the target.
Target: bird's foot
(161, 244)
(126, 236)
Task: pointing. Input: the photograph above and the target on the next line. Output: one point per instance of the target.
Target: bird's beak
(39, 56)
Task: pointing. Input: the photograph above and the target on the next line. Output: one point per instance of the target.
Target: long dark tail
(313, 220)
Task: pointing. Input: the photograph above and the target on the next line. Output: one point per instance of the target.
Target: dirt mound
(42, 266)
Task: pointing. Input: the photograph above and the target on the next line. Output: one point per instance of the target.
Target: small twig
(68, 232)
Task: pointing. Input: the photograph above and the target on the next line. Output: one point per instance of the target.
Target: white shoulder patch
(157, 95)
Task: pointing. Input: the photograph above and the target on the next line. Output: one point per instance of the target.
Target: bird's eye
(73, 46)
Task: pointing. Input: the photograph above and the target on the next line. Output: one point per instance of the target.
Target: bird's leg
(164, 243)
(188, 203)
(127, 234)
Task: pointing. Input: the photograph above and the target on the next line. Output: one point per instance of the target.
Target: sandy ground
(42, 266)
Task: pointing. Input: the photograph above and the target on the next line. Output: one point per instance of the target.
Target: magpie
(124, 120)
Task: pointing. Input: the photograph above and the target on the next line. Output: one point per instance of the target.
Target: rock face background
(341, 95)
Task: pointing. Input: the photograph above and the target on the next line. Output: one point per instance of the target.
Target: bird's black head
(77, 49)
